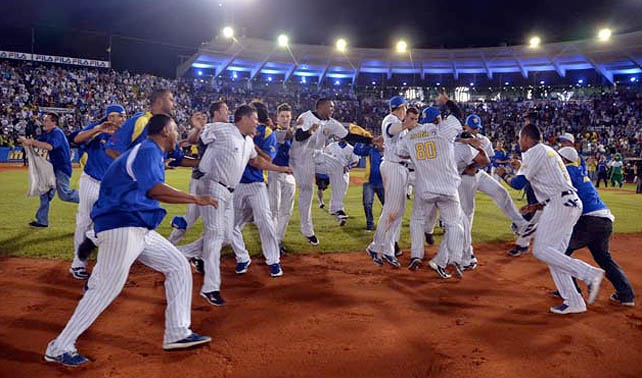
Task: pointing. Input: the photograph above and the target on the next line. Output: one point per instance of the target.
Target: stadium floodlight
(534, 42)
(200, 73)
(303, 79)
(471, 84)
(283, 40)
(401, 46)
(506, 83)
(374, 82)
(633, 79)
(269, 78)
(341, 45)
(438, 84)
(542, 82)
(228, 32)
(404, 83)
(337, 82)
(604, 34)
(580, 81)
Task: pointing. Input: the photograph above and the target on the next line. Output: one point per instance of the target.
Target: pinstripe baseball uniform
(124, 221)
(302, 160)
(432, 150)
(395, 178)
(251, 202)
(338, 159)
(545, 171)
(223, 163)
(281, 187)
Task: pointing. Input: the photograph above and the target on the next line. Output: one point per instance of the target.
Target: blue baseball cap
(114, 108)
(429, 115)
(397, 101)
(473, 121)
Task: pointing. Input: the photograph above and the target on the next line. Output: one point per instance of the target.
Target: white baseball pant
(251, 201)
(191, 216)
(395, 177)
(88, 191)
(525, 241)
(304, 176)
(339, 181)
(553, 234)
(117, 250)
(281, 190)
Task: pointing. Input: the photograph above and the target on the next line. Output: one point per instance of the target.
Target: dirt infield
(334, 315)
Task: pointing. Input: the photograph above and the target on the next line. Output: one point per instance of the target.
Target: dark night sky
(183, 24)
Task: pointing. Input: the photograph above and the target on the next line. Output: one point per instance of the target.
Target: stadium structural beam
(223, 66)
(600, 68)
(454, 67)
(638, 63)
(289, 73)
(422, 73)
(185, 66)
(521, 67)
(324, 72)
(558, 67)
(356, 73)
(259, 67)
(489, 72)
(389, 73)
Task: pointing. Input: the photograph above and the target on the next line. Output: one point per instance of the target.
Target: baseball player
(394, 173)
(229, 149)
(338, 159)
(219, 112)
(312, 130)
(545, 171)
(53, 139)
(92, 140)
(125, 215)
(251, 202)
(281, 186)
(431, 146)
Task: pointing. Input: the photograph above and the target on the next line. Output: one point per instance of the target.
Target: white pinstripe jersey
(486, 145)
(343, 155)
(302, 150)
(432, 149)
(227, 153)
(390, 142)
(544, 169)
(464, 156)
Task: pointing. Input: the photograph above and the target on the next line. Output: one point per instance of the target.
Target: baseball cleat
(321, 205)
(214, 298)
(441, 271)
(398, 251)
(430, 240)
(188, 342)
(594, 286)
(615, 297)
(79, 273)
(565, 309)
(471, 266)
(374, 256)
(37, 225)
(313, 240)
(392, 261)
(415, 263)
(458, 269)
(198, 264)
(242, 267)
(282, 250)
(275, 270)
(71, 359)
(517, 251)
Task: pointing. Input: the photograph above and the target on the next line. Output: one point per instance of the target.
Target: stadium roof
(622, 54)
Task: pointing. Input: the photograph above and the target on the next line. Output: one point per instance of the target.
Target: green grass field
(18, 239)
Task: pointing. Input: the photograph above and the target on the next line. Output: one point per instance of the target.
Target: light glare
(228, 32)
(341, 44)
(283, 40)
(534, 42)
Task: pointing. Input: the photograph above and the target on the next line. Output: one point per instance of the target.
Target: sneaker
(275, 270)
(341, 214)
(188, 342)
(374, 256)
(471, 266)
(594, 287)
(79, 273)
(565, 309)
(517, 251)
(398, 251)
(214, 298)
(458, 269)
(392, 261)
(198, 264)
(441, 271)
(282, 250)
(37, 225)
(321, 205)
(430, 240)
(624, 302)
(313, 240)
(71, 359)
(415, 263)
(241, 268)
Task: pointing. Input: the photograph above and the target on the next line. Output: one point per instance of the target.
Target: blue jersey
(97, 159)
(60, 155)
(373, 174)
(591, 200)
(123, 199)
(499, 155)
(282, 158)
(134, 131)
(265, 139)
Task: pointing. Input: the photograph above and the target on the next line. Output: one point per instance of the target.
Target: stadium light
(200, 73)
(404, 83)
(506, 83)
(633, 79)
(534, 42)
(269, 78)
(438, 84)
(337, 82)
(580, 81)
(604, 34)
(374, 82)
(228, 32)
(471, 84)
(341, 45)
(234, 75)
(303, 79)
(542, 82)
(401, 46)
(283, 40)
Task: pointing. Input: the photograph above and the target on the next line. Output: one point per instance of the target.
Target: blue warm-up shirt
(282, 158)
(60, 155)
(123, 199)
(265, 139)
(97, 159)
(373, 175)
(591, 200)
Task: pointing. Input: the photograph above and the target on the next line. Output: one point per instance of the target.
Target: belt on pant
(563, 194)
(229, 189)
(406, 165)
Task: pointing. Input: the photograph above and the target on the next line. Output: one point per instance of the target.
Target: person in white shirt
(229, 149)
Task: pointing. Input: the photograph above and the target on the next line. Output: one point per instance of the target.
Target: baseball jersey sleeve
(362, 149)
(336, 128)
(147, 172)
(122, 138)
(208, 135)
(268, 143)
(451, 127)
(529, 166)
(308, 120)
(488, 148)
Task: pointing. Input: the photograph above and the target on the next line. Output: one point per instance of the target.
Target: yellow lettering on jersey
(551, 154)
(422, 134)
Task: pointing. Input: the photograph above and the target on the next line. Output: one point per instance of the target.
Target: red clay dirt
(334, 315)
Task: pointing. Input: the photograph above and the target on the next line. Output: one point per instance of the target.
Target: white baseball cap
(567, 137)
(569, 153)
